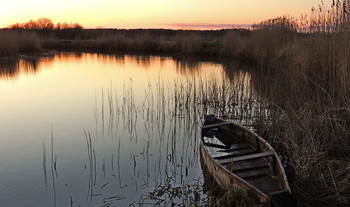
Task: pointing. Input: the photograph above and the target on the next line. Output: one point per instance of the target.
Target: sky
(176, 14)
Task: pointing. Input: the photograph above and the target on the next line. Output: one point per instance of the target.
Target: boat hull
(230, 182)
(239, 183)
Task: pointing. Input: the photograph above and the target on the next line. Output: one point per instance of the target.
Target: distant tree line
(45, 27)
(45, 23)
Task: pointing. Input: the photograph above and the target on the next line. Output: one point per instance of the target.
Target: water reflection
(12, 68)
(124, 126)
(166, 135)
(9, 68)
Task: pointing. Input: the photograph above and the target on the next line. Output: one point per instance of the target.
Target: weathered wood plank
(210, 126)
(254, 172)
(248, 164)
(224, 155)
(246, 157)
(214, 140)
(215, 145)
(267, 184)
(237, 146)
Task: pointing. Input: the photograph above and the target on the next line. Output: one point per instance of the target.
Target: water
(105, 130)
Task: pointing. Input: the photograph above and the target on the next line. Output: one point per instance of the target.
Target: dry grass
(8, 44)
(189, 43)
(13, 43)
(28, 43)
(232, 44)
(306, 80)
(139, 41)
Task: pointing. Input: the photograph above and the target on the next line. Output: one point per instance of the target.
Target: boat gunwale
(279, 163)
(232, 174)
(284, 185)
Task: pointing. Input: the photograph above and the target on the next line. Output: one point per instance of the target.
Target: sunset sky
(152, 13)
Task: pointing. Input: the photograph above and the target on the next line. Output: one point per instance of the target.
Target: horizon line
(175, 26)
(208, 25)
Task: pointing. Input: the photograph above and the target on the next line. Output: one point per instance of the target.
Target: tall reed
(305, 81)
(12, 43)
(8, 43)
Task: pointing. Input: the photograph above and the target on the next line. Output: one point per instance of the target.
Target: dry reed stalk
(8, 43)
(308, 87)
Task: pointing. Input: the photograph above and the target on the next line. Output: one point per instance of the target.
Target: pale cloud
(206, 25)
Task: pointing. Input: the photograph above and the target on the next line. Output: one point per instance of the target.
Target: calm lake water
(105, 130)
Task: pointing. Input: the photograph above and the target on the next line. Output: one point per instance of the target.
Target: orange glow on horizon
(152, 13)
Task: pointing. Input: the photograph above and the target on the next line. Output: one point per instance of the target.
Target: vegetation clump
(14, 42)
(304, 78)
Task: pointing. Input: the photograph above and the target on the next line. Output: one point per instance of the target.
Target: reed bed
(297, 97)
(144, 41)
(305, 82)
(8, 44)
(13, 43)
(302, 76)
(171, 113)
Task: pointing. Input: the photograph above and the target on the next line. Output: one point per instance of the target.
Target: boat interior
(243, 155)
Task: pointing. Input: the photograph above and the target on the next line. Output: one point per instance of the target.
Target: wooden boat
(241, 161)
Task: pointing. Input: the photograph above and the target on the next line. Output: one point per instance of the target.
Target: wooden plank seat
(255, 172)
(237, 146)
(215, 145)
(246, 157)
(214, 142)
(248, 165)
(236, 153)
